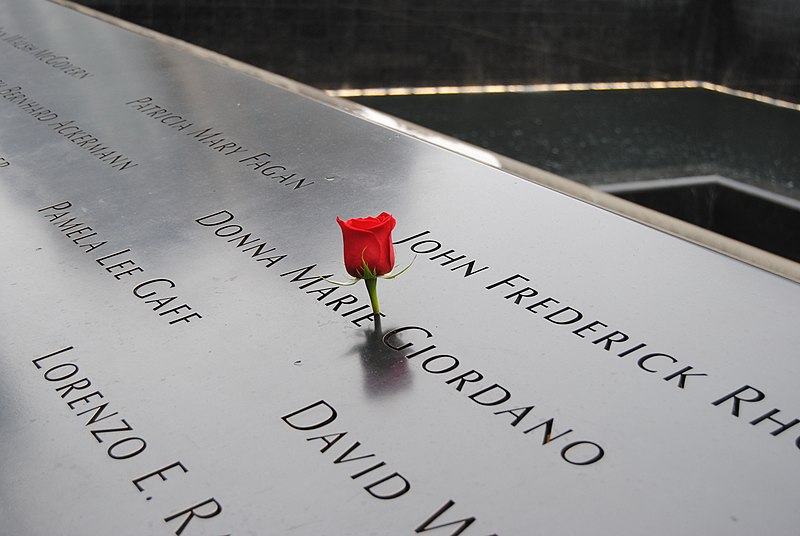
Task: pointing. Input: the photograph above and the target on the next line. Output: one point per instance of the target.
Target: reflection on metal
(458, 146)
(545, 88)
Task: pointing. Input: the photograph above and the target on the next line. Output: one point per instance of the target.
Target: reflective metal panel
(171, 363)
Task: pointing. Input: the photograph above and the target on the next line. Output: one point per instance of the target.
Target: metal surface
(210, 393)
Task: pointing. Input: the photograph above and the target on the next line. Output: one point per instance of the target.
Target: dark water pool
(602, 138)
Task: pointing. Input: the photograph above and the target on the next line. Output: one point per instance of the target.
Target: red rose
(368, 241)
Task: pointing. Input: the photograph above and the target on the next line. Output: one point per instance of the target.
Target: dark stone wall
(746, 44)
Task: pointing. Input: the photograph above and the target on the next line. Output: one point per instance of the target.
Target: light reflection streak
(545, 88)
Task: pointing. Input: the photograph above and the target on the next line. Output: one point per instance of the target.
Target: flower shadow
(385, 371)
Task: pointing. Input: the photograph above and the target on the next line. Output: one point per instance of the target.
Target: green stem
(372, 289)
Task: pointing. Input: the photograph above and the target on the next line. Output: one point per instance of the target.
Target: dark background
(752, 45)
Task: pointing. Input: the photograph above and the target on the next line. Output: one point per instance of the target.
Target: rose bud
(368, 249)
